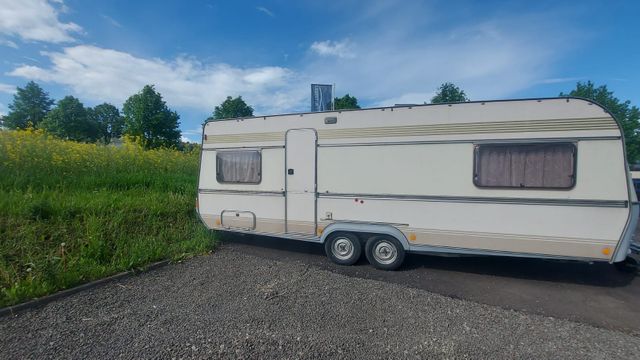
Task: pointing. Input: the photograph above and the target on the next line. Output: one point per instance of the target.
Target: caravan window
(538, 166)
(239, 167)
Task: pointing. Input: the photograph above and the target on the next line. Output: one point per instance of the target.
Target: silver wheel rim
(385, 252)
(342, 249)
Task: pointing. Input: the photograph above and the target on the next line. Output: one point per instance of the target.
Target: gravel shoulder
(234, 305)
(595, 294)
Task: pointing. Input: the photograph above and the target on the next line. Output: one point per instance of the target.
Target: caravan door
(300, 181)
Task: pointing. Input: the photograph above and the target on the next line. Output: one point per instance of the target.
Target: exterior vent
(331, 120)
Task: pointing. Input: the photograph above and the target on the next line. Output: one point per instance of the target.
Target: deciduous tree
(449, 93)
(108, 121)
(69, 120)
(346, 102)
(148, 119)
(232, 108)
(627, 115)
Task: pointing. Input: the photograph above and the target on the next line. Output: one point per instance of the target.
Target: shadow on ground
(576, 272)
(594, 293)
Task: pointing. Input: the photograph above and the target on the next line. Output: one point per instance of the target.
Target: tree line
(146, 117)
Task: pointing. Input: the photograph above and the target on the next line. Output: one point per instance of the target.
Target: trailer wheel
(384, 252)
(343, 248)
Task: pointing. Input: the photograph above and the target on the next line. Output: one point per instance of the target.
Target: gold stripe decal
(606, 123)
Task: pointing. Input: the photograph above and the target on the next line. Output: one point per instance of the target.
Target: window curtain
(525, 166)
(238, 166)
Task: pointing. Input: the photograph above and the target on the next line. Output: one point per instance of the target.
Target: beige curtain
(525, 166)
(238, 166)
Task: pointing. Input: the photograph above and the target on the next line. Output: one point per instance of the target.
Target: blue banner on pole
(321, 97)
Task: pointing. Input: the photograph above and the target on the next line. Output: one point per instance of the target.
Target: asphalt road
(234, 305)
(595, 294)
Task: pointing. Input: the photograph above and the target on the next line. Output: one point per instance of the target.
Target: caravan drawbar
(539, 178)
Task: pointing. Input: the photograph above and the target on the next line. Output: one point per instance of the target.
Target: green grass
(72, 213)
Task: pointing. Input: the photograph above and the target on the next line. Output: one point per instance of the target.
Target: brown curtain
(525, 166)
(238, 166)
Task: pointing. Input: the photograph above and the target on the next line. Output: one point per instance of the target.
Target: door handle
(290, 171)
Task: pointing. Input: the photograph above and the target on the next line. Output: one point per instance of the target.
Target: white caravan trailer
(542, 178)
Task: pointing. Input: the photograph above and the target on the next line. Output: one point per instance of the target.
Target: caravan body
(537, 178)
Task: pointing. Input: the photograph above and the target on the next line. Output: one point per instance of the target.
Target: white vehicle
(540, 178)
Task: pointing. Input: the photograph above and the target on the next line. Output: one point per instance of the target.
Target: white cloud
(31, 59)
(35, 20)
(8, 43)
(7, 89)
(396, 63)
(192, 135)
(560, 80)
(408, 98)
(340, 49)
(386, 59)
(110, 75)
(193, 132)
(111, 21)
(63, 7)
(2, 110)
(266, 11)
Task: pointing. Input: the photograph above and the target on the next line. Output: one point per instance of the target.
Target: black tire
(343, 248)
(384, 252)
(628, 265)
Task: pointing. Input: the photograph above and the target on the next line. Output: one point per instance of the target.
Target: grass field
(71, 212)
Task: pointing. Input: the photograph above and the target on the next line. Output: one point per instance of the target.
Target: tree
(148, 119)
(232, 108)
(346, 102)
(30, 105)
(626, 114)
(108, 121)
(69, 120)
(449, 93)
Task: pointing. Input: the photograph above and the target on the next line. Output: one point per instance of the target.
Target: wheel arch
(365, 228)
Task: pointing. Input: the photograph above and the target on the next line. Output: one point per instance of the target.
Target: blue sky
(383, 52)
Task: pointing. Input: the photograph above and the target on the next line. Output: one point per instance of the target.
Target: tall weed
(73, 212)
